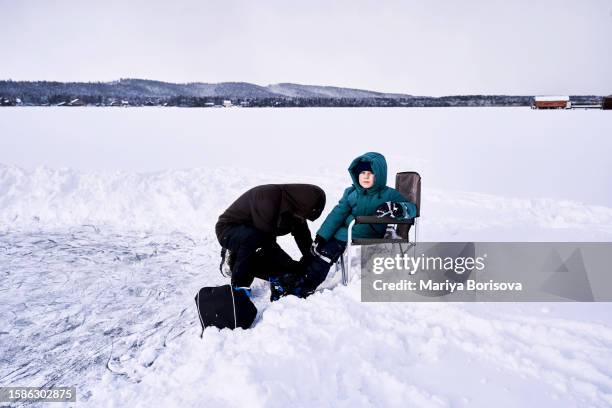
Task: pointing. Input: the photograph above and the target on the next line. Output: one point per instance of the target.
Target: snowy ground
(99, 267)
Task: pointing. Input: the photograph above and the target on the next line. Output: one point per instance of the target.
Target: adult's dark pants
(257, 255)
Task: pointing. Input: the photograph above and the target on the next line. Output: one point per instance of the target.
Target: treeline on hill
(417, 101)
(186, 101)
(134, 92)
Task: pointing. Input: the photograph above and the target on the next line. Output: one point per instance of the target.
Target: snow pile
(190, 200)
(333, 350)
(185, 200)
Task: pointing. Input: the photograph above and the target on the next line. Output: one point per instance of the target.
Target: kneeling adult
(249, 227)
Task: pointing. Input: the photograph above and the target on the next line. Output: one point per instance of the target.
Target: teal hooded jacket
(357, 201)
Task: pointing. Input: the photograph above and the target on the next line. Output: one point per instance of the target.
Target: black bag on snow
(224, 307)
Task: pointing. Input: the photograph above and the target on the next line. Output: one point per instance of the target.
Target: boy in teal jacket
(368, 195)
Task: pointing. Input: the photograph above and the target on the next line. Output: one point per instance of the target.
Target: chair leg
(416, 237)
(349, 242)
(344, 272)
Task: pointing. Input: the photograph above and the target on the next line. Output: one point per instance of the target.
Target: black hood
(304, 200)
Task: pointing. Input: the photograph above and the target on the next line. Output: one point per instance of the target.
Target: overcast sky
(415, 47)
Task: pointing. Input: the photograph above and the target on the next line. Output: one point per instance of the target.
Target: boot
(283, 285)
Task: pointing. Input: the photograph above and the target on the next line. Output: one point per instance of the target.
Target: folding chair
(408, 183)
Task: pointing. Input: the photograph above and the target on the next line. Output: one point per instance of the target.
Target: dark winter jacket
(359, 201)
(276, 209)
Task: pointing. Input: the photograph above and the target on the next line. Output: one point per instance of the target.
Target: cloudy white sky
(416, 47)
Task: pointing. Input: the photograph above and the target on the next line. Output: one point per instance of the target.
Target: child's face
(366, 179)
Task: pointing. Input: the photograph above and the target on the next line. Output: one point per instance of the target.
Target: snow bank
(191, 200)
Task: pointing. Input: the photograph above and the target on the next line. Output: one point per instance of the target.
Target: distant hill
(138, 92)
(126, 88)
(313, 91)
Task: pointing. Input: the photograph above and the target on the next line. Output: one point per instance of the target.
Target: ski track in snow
(82, 298)
(99, 271)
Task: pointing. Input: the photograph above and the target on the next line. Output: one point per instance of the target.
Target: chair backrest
(408, 183)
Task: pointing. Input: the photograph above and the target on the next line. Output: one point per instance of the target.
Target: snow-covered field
(106, 233)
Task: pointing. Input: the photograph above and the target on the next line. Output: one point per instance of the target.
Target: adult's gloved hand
(318, 242)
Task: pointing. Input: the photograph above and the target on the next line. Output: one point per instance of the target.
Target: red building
(551, 102)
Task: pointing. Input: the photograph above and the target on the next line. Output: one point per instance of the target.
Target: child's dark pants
(317, 267)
